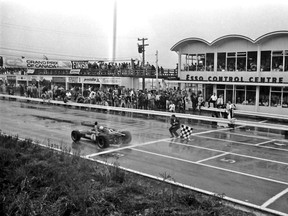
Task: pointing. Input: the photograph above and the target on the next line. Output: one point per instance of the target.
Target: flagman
(175, 125)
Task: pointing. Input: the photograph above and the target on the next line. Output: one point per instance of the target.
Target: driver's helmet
(101, 127)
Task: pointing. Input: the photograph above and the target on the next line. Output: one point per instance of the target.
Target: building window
(264, 96)
(231, 61)
(240, 95)
(252, 61)
(220, 91)
(266, 61)
(221, 61)
(285, 97)
(275, 96)
(250, 95)
(200, 62)
(277, 61)
(241, 61)
(210, 62)
(229, 93)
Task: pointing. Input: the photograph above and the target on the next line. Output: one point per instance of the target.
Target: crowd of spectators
(172, 100)
(96, 67)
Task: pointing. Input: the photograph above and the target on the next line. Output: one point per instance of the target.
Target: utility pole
(157, 72)
(114, 31)
(141, 49)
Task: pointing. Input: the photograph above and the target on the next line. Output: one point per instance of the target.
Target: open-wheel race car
(102, 136)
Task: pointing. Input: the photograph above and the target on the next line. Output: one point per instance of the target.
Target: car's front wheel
(126, 139)
(75, 135)
(102, 142)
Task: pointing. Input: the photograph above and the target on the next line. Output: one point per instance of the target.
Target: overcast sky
(83, 29)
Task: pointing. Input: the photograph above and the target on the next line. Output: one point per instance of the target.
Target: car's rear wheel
(126, 139)
(75, 135)
(102, 142)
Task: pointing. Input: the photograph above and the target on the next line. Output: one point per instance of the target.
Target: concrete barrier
(221, 121)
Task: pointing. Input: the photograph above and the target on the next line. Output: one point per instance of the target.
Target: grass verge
(39, 181)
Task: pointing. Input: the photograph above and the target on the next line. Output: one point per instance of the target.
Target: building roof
(226, 38)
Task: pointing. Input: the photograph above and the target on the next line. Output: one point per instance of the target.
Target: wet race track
(246, 165)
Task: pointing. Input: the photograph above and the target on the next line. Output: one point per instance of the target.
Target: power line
(30, 28)
(54, 54)
(124, 59)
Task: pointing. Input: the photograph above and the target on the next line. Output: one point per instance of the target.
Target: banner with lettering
(102, 80)
(79, 64)
(10, 62)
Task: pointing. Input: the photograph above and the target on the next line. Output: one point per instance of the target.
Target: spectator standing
(220, 102)
(213, 100)
(171, 107)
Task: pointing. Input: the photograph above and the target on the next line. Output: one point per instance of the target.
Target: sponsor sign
(102, 80)
(30, 71)
(79, 64)
(10, 62)
(11, 77)
(24, 78)
(58, 79)
(73, 79)
(75, 71)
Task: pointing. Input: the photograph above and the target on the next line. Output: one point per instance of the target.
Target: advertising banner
(102, 80)
(10, 62)
(11, 77)
(58, 79)
(75, 71)
(30, 71)
(79, 64)
(73, 79)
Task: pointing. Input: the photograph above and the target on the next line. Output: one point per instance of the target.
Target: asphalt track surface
(249, 166)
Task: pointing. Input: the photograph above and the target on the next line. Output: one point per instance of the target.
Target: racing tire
(127, 138)
(75, 135)
(102, 142)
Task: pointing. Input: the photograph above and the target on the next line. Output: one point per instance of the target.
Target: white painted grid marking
(125, 147)
(147, 143)
(231, 153)
(268, 147)
(210, 158)
(214, 167)
(262, 143)
(230, 199)
(274, 198)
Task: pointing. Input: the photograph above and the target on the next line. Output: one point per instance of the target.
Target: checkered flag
(186, 131)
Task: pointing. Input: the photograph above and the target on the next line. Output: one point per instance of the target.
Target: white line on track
(210, 158)
(213, 167)
(262, 143)
(274, 198)
(231, 141)
(252, 136)
(142, 144)
(230, 199)
(231, 153)
(126, 147)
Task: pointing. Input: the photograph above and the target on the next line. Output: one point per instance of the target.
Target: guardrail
(249, 113)
(280, 127)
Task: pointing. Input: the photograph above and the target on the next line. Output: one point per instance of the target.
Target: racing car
(103, 137)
